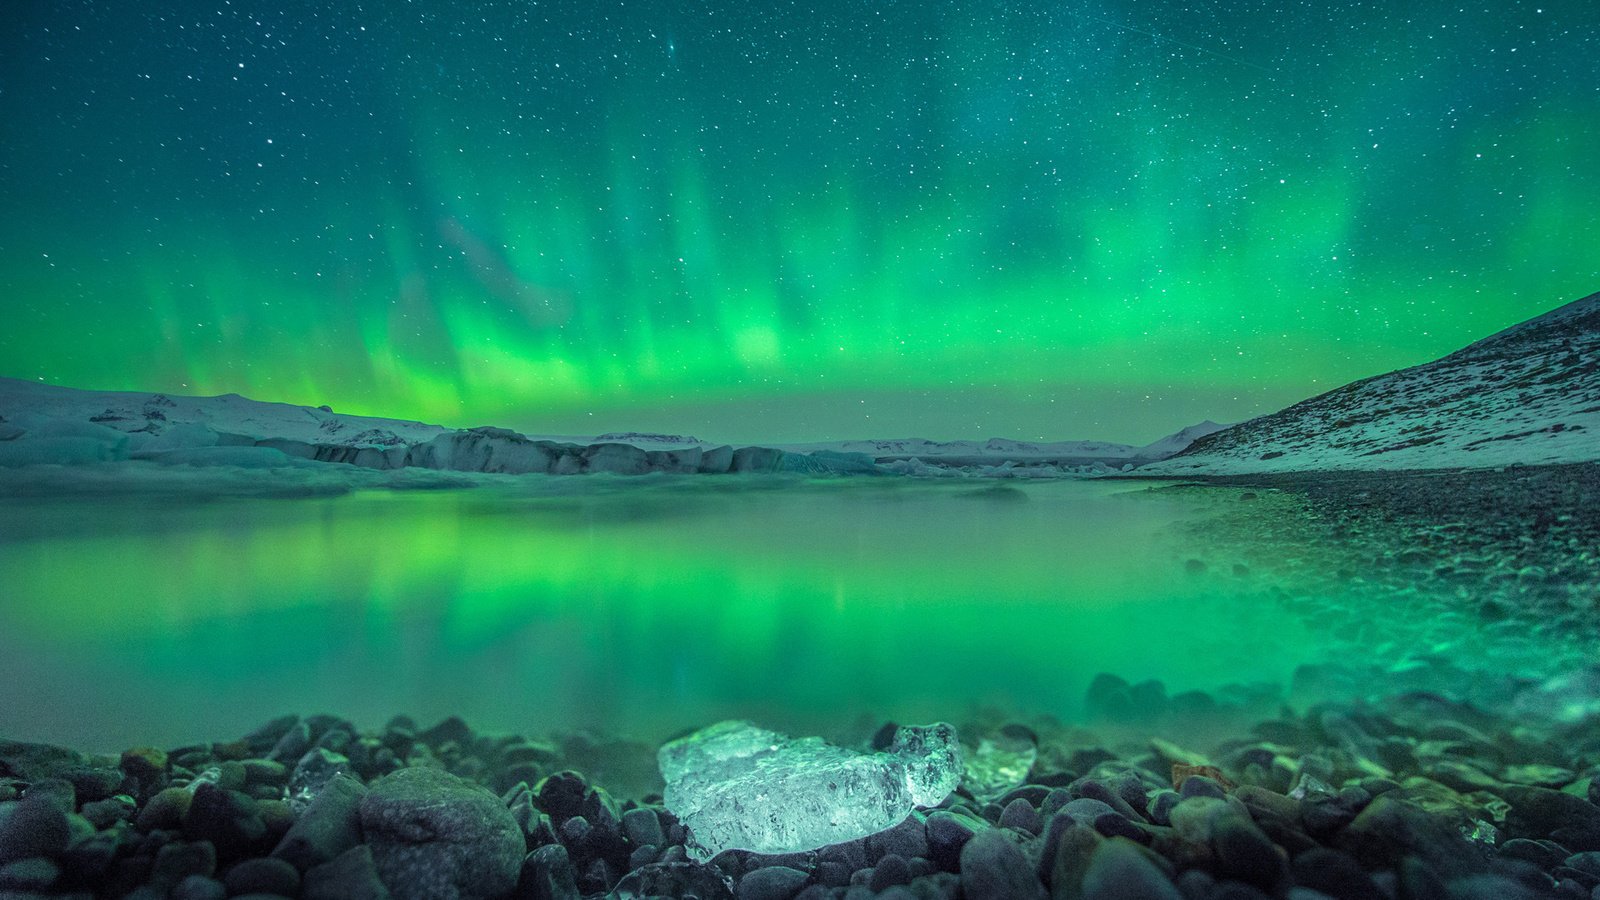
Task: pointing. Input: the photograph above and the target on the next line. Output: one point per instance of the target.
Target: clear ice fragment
(736, 786)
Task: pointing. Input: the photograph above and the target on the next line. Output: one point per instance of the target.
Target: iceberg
(735, 786)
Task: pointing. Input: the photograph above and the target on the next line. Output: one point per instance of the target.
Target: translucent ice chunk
(736, 786)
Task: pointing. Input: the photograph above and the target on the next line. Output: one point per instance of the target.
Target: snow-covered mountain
(50, 425)
(1527, 395)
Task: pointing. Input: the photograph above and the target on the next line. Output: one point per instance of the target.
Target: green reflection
(641, 608)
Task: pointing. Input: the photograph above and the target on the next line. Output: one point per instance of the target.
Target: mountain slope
(1527, 395)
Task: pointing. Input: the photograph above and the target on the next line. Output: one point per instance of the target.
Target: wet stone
(1119, 870)
(643, 826)
(350, 876)
(34, 827)
(993, 867)
(330, 826)
(675, 879)
(199, 887)
(436, 837)
(267, 875)
(32, 874)
(771, 883)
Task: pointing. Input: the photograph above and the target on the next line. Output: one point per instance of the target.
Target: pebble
(1121, 870)
(32, 874)
(993, 867)
(351, 875)
(265, 875)
(330, 826)
(33, 827)
(771, 883)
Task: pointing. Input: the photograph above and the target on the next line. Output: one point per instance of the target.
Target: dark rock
(35, 827)
(352, 875)
(36, 762)
(147, 764)
(267, 736)
(102, 814)
(329, 827)
(178, 860)
(1389, 830)
(265, 771)
(313, 772)
(1587, 861)
(32, 874)
(1159, 809)
(574, 832)
(1020, 814)
(994, 868)
(1245, 854)
(891, 870)
(771, 883)
(1335, 874)
(1201, 786)
(434, 835)
(561, 795)
(1090, 789)
(1544, 854)
(1491, 887)
(909, 839)
(58, 792)
(1539, 812)
(199, 887)
(676, 879)
(165, 810)
(294, 743)
(1121, 870)
(947, 833)
(228, 819)
(1066, 861)
(266, 875)
(643, 826)
(548, 875)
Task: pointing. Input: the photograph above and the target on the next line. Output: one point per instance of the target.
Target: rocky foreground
(1415, 796)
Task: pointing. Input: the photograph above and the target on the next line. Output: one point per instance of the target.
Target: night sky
(761, 221)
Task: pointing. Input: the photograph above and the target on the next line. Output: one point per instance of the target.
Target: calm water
(636, 607)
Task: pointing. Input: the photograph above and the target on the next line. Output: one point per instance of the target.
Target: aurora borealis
(786, 221)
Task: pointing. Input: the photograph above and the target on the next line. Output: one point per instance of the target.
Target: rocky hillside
(1529, 395)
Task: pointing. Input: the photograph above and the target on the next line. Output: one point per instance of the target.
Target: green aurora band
(1102, 218)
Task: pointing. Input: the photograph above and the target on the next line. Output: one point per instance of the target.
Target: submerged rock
(736, 786)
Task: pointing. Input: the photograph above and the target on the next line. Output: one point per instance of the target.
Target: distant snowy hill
(43, 424)
(996, 450)
(1528, 395)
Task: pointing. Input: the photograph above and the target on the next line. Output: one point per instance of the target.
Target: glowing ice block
(736, 786)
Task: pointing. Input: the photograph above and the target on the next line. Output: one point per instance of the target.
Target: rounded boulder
(437, 837)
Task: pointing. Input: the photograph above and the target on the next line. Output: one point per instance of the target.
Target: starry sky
(1045, 219)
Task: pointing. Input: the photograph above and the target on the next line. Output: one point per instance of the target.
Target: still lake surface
(636, 606)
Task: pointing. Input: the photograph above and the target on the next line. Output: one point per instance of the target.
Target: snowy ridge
(1527, 395)
(996, 450)
(146, 417)
(43, 424)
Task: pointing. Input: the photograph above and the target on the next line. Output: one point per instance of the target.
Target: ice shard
(736, 786)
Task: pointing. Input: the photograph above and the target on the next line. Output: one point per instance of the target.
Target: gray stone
(1120, 870)
(351, 876)
(771, 883)
(436, 837)
(34, 827)
(993, 867)
(330, 825)
(662, 879)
